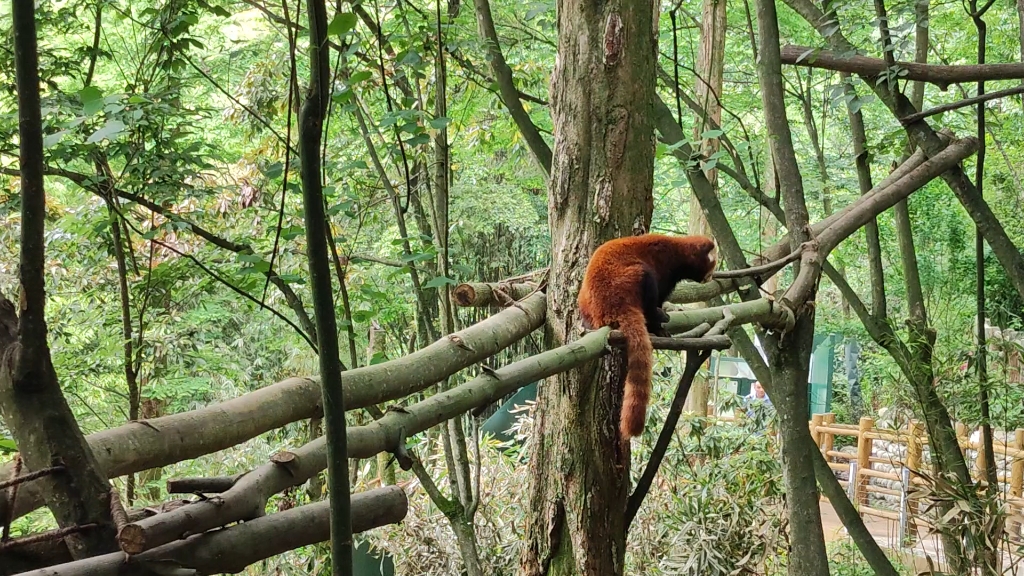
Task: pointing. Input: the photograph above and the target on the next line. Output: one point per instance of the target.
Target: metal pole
(904, 509)
(851, 484)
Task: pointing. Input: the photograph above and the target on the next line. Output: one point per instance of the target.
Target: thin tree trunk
(311, 122)
(452, 433)
(790, 362)
(601, 187)
(946, 452)
(806, 103)
(710, 71)
(860, 152)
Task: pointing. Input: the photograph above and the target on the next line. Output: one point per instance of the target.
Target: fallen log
(232, 549)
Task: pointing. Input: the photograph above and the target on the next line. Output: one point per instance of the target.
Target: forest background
(176, 270)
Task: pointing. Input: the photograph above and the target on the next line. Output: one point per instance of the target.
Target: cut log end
(466, 295)
(132, 539)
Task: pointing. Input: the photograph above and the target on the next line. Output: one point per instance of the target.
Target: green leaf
(378, 357)
(7, 446)
(250, 258)
(109, 131)
(418, 257)
(418, 140)
(708, 134)
(362, 315)
(292, 232)
(439, 281)
(89, 93)
(359, 77)
(52, 139)
(92, 100)
(439, 122)
(274, 171)
(342, 23)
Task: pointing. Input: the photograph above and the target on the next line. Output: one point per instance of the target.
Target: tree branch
(509, 94)
(232, 549)
(962, 104)
(938, 74)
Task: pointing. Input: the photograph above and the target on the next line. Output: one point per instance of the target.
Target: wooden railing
(905, 458)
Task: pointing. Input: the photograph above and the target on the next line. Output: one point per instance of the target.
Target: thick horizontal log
(479, 294)
(938, 74)
(617, 339)
(157, 442)
(232, 549)
(762, 311)
(247, 498)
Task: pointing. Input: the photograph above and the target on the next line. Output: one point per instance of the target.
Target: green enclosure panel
(366, 562)
(499, 423)
(819, 389)
(819, 385)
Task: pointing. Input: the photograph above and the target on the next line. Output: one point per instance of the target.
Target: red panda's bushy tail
(639, 355)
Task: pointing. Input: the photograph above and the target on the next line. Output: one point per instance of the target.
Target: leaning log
(232, 549)
(157, 442)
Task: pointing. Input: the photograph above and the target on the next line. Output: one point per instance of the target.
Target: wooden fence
(889, 476)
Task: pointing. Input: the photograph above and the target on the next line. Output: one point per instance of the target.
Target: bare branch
(643, 485)
(509, 94)
(479, 294)
(962, 104)
(211, 485)
(938, 74)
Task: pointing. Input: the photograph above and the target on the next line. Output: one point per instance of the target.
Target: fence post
(980, 461)
(863, 459)
(815, 435)
(828, 439)
(851, 483)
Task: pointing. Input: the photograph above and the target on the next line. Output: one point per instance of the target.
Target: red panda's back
(611, 283)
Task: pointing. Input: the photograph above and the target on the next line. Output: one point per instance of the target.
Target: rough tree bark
(601, 187)
(31, 401)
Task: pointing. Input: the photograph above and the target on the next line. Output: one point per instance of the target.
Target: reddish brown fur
(627, 281)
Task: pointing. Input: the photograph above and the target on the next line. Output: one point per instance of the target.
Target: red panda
(626, 283)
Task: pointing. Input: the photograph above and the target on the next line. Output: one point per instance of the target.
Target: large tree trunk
(602, 98)
(710, 69)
